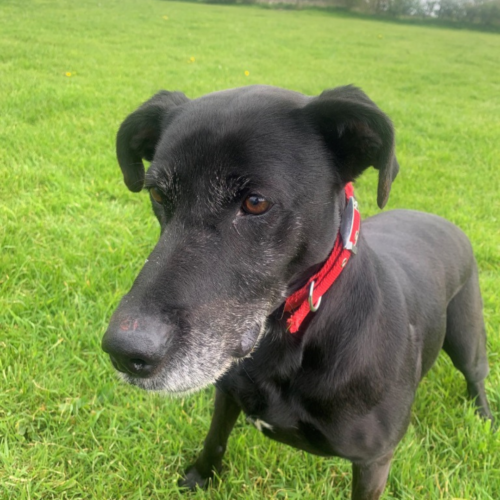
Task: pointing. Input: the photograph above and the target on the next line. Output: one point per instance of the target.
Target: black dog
(249, 188)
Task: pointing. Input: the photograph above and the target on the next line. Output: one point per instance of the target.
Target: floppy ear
(358, 133)
(139, 134)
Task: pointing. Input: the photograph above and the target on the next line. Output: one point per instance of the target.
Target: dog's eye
(156, 195)
(255, 204)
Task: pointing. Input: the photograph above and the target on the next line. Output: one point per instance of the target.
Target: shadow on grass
(343, 12)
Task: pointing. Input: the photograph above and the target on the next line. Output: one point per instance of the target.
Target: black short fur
(208, 305)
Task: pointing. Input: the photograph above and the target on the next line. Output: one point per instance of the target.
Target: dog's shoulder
(405, 228)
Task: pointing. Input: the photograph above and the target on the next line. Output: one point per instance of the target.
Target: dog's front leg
(226, 413)
(368, 479)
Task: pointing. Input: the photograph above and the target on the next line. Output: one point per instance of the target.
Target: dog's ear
(358, 133)
(139, 134)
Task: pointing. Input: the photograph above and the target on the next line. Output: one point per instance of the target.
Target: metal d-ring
(313, 307)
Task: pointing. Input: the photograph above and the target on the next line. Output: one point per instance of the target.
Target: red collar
(308, 298)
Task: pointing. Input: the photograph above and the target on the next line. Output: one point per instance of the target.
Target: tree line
(474, 12)
(484, 12)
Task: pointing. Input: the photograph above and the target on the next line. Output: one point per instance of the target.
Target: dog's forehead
(237, 134)
(252, 96)
(252, 110)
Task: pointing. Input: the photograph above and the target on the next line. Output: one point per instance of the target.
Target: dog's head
(247, 185)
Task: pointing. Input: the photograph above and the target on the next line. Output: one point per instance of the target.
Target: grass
(73, 238)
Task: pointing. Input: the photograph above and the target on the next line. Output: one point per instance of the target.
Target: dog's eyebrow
(150, 178)
(229, 188)
(161, 178)
(232, 182)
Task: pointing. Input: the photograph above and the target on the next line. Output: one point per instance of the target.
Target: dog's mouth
(199, 359)
(248, 341)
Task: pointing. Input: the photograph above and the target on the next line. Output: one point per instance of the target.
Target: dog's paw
(193, 479)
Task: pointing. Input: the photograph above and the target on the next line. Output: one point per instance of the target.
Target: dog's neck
(307, 299)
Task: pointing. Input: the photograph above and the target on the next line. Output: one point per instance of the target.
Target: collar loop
(313, 307)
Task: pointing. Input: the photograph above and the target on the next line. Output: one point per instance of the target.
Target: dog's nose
(136, 346)
(137, 367)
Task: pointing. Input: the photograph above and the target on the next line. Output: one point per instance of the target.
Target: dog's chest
(286, 412)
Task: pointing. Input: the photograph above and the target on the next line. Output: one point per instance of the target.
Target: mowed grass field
(73, 237)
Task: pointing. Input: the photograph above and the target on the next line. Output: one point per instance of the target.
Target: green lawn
(73, 238)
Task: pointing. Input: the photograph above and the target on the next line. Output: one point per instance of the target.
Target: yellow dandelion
(247, 73)
(165, 17)
(380, 36)
(192, 59)
(68, 73)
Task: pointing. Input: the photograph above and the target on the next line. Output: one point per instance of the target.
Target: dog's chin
(174, 385)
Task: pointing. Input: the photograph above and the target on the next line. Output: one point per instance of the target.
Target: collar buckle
(349, 225)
